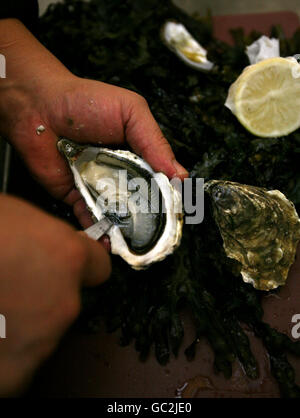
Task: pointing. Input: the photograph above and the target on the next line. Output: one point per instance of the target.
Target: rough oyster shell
(150, 237)
(260, 229)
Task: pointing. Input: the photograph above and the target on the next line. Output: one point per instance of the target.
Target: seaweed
(118, 42)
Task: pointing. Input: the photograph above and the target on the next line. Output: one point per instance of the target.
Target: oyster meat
(120, 183)
(260, 229)
(180, 41)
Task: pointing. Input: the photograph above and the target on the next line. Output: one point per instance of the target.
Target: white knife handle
(100, 228)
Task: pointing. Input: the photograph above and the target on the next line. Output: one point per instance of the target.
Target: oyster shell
(179, 40)
(151, 207)
(260, 229)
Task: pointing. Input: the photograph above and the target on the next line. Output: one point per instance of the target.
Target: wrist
(25, 56)
(32, 73)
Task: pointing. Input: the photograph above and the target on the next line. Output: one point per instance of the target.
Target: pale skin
(45, 262)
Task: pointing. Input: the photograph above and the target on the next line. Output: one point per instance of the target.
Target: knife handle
(100, 228)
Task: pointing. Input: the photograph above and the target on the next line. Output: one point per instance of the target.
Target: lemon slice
(266, 97)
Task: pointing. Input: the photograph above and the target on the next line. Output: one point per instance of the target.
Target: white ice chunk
(262, 49)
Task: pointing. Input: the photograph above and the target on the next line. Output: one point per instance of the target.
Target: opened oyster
(180, 41)
(260, 229)
(121, 183)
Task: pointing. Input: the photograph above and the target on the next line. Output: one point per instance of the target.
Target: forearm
(30, 67)
(26, 58)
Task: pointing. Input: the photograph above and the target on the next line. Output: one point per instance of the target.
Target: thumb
(97, 268)
(145, 137)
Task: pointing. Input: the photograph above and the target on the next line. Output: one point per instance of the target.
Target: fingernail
(180, 171)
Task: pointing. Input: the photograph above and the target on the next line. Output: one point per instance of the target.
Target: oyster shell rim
(171, 236)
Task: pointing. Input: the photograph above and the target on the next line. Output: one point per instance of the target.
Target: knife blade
(99, 229)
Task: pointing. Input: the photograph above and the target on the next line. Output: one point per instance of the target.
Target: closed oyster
(146, 201)
(260, 229)
(180, 41)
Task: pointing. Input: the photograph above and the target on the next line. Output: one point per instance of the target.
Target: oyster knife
(100, 228)
(104, 224)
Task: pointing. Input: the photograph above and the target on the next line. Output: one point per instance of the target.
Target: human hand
(39, 90)
(43, 267)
